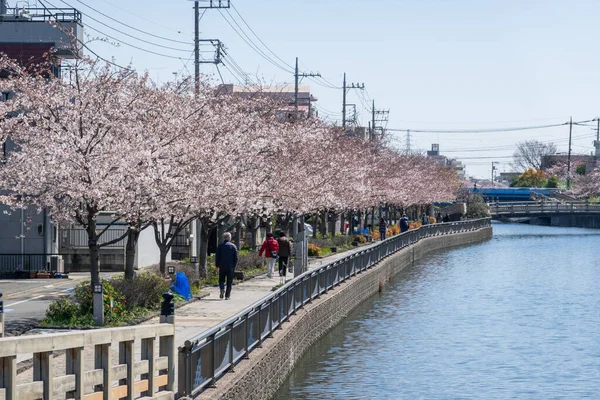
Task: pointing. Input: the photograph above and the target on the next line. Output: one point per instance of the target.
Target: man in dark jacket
(285, 251)
(226, 260)
(382, 228)
(404, 224)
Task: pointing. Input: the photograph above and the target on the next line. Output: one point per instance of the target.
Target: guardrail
(26, 263)
(77, 238)
(206, 358)
(109, 380)
(520, 208)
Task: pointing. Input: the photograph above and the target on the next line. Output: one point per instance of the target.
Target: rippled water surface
(517, 317)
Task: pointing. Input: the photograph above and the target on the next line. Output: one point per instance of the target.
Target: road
(26, 300)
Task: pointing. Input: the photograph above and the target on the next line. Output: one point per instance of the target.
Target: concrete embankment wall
(262, 375)
(572, 221)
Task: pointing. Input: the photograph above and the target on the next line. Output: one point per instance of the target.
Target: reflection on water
(516, 317)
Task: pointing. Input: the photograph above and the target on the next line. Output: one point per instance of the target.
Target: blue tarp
(181, 286)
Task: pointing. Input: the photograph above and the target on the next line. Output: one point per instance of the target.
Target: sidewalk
(195, 318)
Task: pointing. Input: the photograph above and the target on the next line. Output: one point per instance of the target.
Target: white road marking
(7, 310)
(25, 301)
(68, 290)
(48, 286)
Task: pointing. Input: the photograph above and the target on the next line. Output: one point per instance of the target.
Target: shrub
(553, 182)
(249, 260)
(83, 296)
(376, 235)
(395, 229)
(415, 225)
(145, 290)
(63, 309)
(314, 250)
(360, 239)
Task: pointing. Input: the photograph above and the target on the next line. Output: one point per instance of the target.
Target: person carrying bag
(271, 250)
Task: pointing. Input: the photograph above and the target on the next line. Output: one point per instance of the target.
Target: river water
(517, 317)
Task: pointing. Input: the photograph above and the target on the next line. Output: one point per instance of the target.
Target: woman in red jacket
(271, 249)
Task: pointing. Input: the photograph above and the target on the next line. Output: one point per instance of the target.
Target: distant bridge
(527, 210)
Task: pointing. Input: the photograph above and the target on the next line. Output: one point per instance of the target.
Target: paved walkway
(195, 318)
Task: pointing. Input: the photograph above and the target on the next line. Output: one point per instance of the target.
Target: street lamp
(97, 288)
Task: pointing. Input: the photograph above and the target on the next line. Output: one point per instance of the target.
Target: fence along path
(93, 365)
(205, 358)
(199, 324)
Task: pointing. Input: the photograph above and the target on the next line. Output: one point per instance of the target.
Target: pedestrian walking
(271, 250)
(446, 218)
(424, 220)
(382, 228)
(285, 251)
(404, 224)
(226, 260)
(438, 218)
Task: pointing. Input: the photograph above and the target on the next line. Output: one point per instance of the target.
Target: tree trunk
(238, 234)
(360, 221)
(332, 221)
(133, 236)
(164, 250)
(268, 226)
(342, 223)
(315, 225)
(323, 225)
(207, 228)
(373, 217)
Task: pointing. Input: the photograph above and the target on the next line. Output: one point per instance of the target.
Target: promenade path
(193, 319)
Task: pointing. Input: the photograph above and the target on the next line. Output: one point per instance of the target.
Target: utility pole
(196, 48)
(372, 130)
(493, 169)
(297, 76)
(598, 130)
(569, 156)
(344, 103)
(408, 141)
(211, 4)
(345, 88)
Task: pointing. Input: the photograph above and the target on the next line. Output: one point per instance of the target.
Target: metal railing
(60, 14)
(77, 238)
(26, 263)
(531, 208)
(206, 358)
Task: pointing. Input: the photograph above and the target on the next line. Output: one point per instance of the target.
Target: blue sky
(443, 65)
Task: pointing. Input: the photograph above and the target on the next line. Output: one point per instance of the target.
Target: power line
(82, 43)
(132, 45)
(259, 39)
(129, 35)
(484, 130)
(250, 43)
(316, 80)
(131, 27)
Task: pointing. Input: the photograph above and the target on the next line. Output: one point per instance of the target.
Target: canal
(516, 317)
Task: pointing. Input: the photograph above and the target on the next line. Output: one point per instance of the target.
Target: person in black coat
(226, 260)
(404, 224)
(382, 228)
